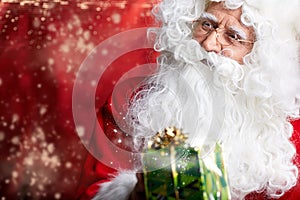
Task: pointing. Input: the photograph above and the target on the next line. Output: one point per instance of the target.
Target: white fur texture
(260, 96)
(119, 188)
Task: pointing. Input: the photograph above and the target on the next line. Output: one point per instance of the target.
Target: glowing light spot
(15, 140)
(41, 187)
(32, 181)
(28, 161)
(104, 52)
(36, 23)
(80, 131)
(43, 110)
(51, 27)
(15, 118)
(50, 148)
(2, 136)
(116, 18)
(68, 165)
(86, 35)
(14, 174)
(12, 127)
(57, 195)
(93, 83)
(64, 48)
(50, 61)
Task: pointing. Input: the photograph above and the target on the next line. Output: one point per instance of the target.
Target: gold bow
(169, 135)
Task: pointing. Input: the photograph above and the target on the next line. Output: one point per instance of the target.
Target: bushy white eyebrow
(239, 31)
(209, 16)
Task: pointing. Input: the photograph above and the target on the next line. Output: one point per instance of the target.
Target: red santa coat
(95, 173)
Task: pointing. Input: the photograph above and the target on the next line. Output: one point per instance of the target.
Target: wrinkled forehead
(220, 7)
(229, 17)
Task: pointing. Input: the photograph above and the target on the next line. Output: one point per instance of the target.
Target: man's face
(220, 30)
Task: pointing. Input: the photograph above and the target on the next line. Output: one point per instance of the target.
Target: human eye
(233, 36)
(207, 25)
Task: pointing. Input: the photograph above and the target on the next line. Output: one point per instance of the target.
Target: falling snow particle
(86, 35)
(30, 32)
(50, 148)
(15, 140)
(80, 131)
(41, 187)
(33, 139)
(116, 18)
(32, 181)
(12, 127)
(69, 68)
(93, 83)
(28, 161)
(57, 196)
(68, 165)
(64, 48)
(0, 81)
(36, 22)
(50, 61)
(15, 118)
(40, 133)
(14, 174)
(2, 136)
(104, 52)
(43, 110)
(52, 28)
(53, 161)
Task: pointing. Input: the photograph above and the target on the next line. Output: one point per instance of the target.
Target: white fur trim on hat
(119, 187)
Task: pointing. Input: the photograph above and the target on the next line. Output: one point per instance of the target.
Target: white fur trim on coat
(119, 188)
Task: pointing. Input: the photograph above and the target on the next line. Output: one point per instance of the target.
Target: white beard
(209, 105)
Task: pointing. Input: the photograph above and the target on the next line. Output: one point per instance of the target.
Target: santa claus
(228, 72)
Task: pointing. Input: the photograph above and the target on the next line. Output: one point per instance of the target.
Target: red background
(42, 46)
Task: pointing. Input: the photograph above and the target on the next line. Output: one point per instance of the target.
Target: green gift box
(173, 170)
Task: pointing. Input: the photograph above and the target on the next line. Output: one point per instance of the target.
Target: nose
(210, 43)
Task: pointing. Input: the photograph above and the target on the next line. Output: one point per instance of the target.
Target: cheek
(236, 55)
(197, 37)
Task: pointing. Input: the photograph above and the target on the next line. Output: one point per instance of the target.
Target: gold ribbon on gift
(213, 177)
(170, 135)
(173, 137)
